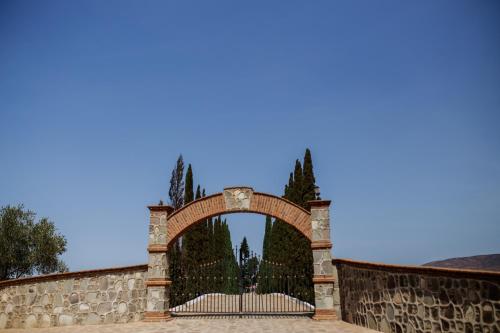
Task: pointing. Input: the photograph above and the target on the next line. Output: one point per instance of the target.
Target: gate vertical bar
(158, 282)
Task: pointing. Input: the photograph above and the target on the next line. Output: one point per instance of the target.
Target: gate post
(158, 282)
(325, 288)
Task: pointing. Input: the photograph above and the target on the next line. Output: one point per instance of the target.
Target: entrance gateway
(167, 225)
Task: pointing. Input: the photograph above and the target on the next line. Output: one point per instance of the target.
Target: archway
(166, 226)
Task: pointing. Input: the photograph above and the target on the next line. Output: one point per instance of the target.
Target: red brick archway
(167, 225)
(221, 203)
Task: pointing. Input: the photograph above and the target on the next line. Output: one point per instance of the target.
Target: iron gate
(249, 286)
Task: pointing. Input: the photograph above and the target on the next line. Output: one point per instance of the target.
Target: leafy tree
(176, 191)
(28, 247)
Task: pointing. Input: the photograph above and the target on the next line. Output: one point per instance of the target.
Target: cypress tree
(289, 187)
(198, 192)
(176, 196)
(211, 240)
(188, 191)
(176, 191)
(244, 250)
(188, 243)
(296, 192)
(244, 263)
(218, 250)
(263, 281)
(267, 238)
(230, 266)
(308, 180)
(175, 271)
(197, 237)
(283, 238)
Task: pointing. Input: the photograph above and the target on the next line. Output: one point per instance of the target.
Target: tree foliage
(285, 250)
(206, 249)
(188, 190)
(203, 250)
(176, 191)
(28, 247)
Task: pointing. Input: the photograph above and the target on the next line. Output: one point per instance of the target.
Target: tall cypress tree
(188, 261)
(230, 265)
(175, 270)
(205, 238)
(197, 236)
(219, 268)
(309, 183)
(296, 192)
(289, 187)
(244, 250)
(176, 196)
(287, 246)
(188, 191)
(176, 190)
(267, 238)
(198, 192)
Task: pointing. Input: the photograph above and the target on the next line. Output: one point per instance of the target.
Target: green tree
(309, 182)
(230, 265)
(289, 252)
(244, 250)
(175, 270)
(176, 196)
(296, 190)
(188, 190)
(267, 238)
(28, 247)
(176, 191)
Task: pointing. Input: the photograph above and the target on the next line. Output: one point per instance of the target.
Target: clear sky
(399, 102)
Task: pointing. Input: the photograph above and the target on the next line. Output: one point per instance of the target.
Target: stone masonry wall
(419, 299)
(90, 297)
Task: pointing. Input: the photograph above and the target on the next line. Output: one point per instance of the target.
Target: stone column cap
(319, 203)
(164, 208)
(234, 187)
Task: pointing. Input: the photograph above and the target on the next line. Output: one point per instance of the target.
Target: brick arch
(237, 200)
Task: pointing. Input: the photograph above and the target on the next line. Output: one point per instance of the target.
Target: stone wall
(89, 297)
(393, 298)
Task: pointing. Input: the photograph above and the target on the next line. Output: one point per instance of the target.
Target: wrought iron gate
(249, 286)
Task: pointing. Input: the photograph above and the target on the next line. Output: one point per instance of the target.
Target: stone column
(327, 303)
(158, 282)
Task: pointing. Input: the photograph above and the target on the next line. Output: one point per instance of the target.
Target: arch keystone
(238, 198)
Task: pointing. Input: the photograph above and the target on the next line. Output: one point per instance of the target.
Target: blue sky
(399, 102)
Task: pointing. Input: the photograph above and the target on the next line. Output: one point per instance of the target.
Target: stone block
(30, 322)
(92, 319)
(322, 262)
(238, 198)
(65, 320)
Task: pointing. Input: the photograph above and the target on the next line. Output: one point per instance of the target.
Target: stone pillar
(158, 282)
(327, 304)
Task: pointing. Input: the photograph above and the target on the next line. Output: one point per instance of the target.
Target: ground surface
(215, 325)
(250, 302)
